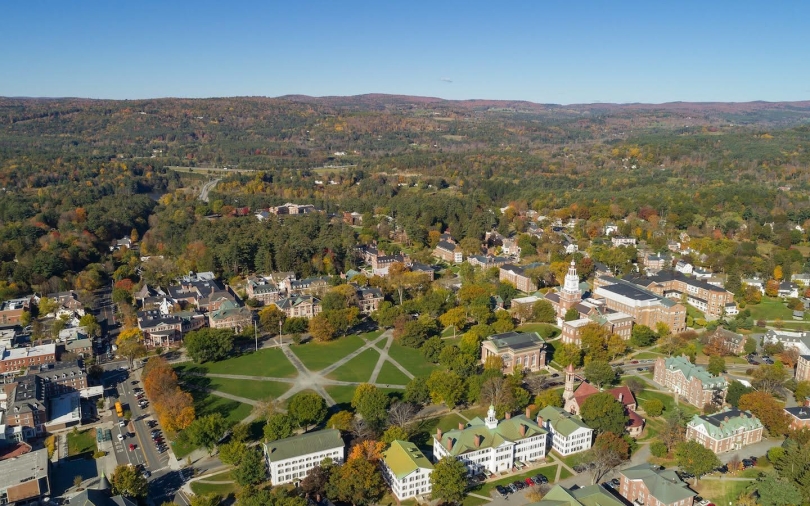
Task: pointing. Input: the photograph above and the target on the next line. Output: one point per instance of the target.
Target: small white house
(406, 470)
(291, 459)
(684, 267)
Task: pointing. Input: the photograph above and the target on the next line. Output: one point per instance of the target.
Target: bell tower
(570, 295)
(568, 393)
(491, 422)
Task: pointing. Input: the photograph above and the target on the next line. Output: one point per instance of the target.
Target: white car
(122, 423)
(120, 437)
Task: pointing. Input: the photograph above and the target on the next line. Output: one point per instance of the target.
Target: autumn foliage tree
(768, 410)
(173, 406)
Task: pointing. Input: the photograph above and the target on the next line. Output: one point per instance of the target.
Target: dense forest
(77, 174)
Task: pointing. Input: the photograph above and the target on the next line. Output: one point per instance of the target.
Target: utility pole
(256, 336)
(279, 333)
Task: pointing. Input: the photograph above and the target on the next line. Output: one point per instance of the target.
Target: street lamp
(279, 332)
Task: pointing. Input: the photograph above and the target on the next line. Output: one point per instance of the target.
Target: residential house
(789, 339)
(574, 399)
(406, 470)
(353, 218)
(617, 241)
(654, 264)
(509, 247)
(491, 444)
(568, 433)
(449, 252)
(80, 347)
(518, 277)
(802, 278)
(299, 306)
(710, 299)
(521, 351)
(653, 485)
(25, 479)
(725, 431)
(369, 299)
(262, 289)
(424, 269)
(290, 209)
(788, 290)
(690, 381)
(684, 267)
(124, 242)
(589, 495)
(730, 343)
(700, 273)
(756, 283)
(646, 308)
(230, 316)
(316, 285)
(381, 263)
(611, 228)
(262, 215)
(291, 459)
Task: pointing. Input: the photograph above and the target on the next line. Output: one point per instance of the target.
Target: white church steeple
(491, 422)
(571, 284)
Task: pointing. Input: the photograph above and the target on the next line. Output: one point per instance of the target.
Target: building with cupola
(569, 296)
(492, 444)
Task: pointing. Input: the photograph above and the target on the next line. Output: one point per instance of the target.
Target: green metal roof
(516, 340)
(295, 446)
(562, 421)
(507, 430)
(403, 458)
(691, 370)
(725, 423)
(663, 485)
(591, 495)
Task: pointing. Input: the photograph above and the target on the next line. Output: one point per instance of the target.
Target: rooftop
(507, 430)
(591, 495)
(27, 467)
(664, 485)
(303, 444)
(403, 458)
(725, 423)
(516, 340)
(21, 353)
(562, 421)
(690, 370)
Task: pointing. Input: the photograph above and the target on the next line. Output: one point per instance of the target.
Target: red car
(529, 482)
(132, 447)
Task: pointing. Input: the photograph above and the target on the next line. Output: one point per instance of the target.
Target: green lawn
(411, 360)
(647, 355)
(81, 442)
(545, 330)
(370, 336)
(391, 375)
(252, 389)
(317, 356)
(341, 394)
(267, 363)
(206, 404)
(770, 309)
(480, 411)
(694, 312)
(357, 369)
(668, 401)
(221, 489)
(427, 428)
(721, 491)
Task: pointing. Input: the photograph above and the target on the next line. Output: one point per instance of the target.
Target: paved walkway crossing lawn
(411, 359)
(357, 369)
(268, 362)
(252, 389)
(390, 375)
(316, 356)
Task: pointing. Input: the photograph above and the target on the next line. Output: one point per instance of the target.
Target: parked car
(131, 447)
(120, 437)
(640, 369)
(722, 469)
(529, 481)
(540, 479)
(512, 488)
(122, 423)
(502, 491)
(615, 482)
(146, 473)
(519, 484)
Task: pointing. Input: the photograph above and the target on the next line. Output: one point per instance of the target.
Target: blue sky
(543, 51)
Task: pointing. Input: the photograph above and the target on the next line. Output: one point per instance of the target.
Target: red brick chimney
(438, 434)
(621, 397)
(522, 430)
(460, 426)
(528, 412)
(539, 420)
(478, 440)
(449, 444)
(508, 415)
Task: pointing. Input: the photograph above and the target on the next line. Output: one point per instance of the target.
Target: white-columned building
(290, 460)
(492, 444)
(406, 470)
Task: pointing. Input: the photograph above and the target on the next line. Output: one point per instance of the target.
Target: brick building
(692, 382)
(13, 360)
(646, 307)
(710, 299)
(449, 252)
(803, 368)
(654, 486)
(725, 431)
(517, 276)
(518, 351)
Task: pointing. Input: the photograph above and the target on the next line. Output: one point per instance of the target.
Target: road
(207, 188)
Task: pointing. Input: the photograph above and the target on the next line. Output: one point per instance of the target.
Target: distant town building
(574, 399)
(646, 308)
(449, 252)
(617, 241)
(517, 276)
(519, 351)
(710, 299)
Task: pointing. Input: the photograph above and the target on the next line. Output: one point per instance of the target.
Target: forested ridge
(77, 174)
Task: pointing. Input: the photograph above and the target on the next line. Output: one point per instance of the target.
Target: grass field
(206, 404)
(81, 442)
(647, 355)
(357, 369)
(770, 309)
(317, 356)
(668, 401)
(341, 394)
(220, 489)
(545, 330)
(268, 363)
(255, 390)
(411, 360)
(370, 336)
(391, 375)
(721, 491)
